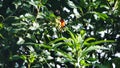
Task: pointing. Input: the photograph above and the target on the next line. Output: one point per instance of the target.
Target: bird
(62, 23)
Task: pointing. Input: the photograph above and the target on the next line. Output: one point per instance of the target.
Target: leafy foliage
(31, 35)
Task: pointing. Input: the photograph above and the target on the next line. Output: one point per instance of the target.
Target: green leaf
(101, 41)
(2, 18)
(71, 4)
(91, 59)
(89, 39)
(1, 36)
(30, 48)
(66, 55)
(102, 15)
(23, 57)
(1, 25)
(31, 58)
(15, 57)
(20, 41)
(58, 44)
(91, 48)
(82, 62)
(44, 1)
(45, 46)
(82, 33)
(36, 3)
(41, 45)
(57, 40)
(72, 36)
(79, 39)
(86, 42)
(79, 42)
(69, 42)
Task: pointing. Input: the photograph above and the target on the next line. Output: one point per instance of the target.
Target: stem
(29, 64)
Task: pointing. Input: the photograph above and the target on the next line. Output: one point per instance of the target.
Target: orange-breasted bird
(62, 23)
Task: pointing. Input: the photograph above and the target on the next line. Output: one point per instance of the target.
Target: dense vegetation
(31, 34)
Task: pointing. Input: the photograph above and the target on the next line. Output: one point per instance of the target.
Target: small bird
(62, 23)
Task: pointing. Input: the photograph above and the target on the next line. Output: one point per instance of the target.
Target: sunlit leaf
(101, 41)
(31, 58)
(71, 4)
(87, 41)
(23, 57)
(72, 36)
(82, 32)
(20, 41)
(101, 15)
(31, 48)
(1, 25)
(67, 56)
(91, 48)
(69, 42)
(57, 40)
(82, 62)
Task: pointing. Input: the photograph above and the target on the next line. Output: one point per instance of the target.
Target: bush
(56, 33)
